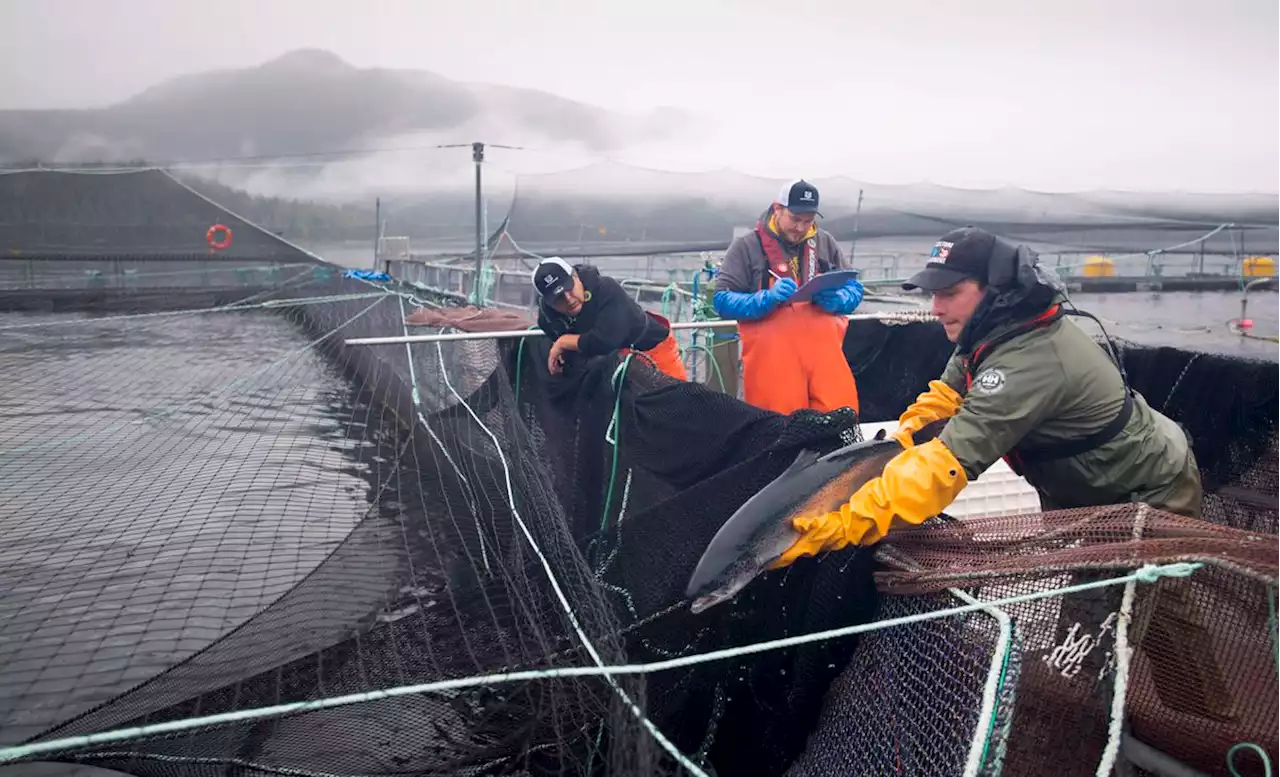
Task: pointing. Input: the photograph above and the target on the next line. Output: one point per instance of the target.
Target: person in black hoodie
(584, 311)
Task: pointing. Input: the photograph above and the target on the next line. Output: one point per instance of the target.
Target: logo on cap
(941, 250)
(808, 196)
(548, 279)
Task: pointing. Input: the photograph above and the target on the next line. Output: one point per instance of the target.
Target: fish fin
(803, 459)
(845, 451)
(880, 435)
(929, 431)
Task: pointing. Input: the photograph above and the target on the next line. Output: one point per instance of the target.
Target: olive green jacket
(1053, 384)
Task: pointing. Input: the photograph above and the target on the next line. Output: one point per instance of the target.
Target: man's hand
(555, 361)
(781, 291)
(841, 301)
(915, 485)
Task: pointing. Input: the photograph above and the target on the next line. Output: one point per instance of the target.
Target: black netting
(210, 504)
(428, 577)
(912, 697)
(436, 582)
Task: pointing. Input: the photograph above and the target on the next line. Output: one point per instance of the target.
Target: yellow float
(1099, 267)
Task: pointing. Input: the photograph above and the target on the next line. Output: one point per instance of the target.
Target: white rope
(905, 315)
(417, 405)
(228, 308)
(1157, 251)
(986, 715)
(1147, 574)
(980, 741)
(564, 602)
(1123, 654)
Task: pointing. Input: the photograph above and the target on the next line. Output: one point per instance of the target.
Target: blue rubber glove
(749, 306)
(841, 301)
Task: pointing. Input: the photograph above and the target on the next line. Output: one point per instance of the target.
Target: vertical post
(857, 214)
(377, 235)
(477, 156)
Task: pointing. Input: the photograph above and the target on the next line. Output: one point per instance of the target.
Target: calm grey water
(1188, 319)
(161, 480)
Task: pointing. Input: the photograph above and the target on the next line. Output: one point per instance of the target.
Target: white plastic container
(997, 492)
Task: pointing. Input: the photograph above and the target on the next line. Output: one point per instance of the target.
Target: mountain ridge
(309, 99)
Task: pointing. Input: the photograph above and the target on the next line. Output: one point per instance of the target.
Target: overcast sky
(1047, 94)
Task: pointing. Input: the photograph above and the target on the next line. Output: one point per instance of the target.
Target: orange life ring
(219, 245)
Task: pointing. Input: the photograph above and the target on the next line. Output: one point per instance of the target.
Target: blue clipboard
(829, 280)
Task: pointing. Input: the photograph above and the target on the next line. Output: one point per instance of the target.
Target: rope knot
(1151, 573)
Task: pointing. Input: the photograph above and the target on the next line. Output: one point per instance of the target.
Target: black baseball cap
(799, 197)
(552, 277)
(960, 254)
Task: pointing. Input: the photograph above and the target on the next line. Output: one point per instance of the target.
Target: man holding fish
(1022, 384)
(792, 351)
(1025, 385)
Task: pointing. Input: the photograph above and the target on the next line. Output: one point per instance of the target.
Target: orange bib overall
(794, 359)
(666, 354)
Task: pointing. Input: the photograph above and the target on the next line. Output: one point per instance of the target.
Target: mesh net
(634, 207)
(212, 505)
(1202, 676)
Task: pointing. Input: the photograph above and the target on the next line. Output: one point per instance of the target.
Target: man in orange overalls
(792, 353)
(590, 313)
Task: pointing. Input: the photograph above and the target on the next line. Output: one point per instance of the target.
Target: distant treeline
(534, 219)
(453, 216)
(292, 219)
(545, 218)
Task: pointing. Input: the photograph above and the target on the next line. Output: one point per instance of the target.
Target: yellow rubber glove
(916, 485)
(940, 401)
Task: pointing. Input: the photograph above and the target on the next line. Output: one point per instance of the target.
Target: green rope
(711, 359)
(667, 294)
(1262, 754)
(996, 759)
(519, 360)
(483, 284)
(615, 426)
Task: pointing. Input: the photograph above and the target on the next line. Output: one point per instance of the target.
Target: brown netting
(995, 549)
(1203, 672)
(469, 319)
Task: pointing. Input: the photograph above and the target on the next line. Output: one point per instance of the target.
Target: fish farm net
(235, 544)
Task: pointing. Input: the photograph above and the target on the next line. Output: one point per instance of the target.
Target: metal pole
(377, 234)
(477, 156)
(857, 214)
(518, 333)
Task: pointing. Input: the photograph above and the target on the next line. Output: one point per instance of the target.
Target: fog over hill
(306, 142)
(312, 101)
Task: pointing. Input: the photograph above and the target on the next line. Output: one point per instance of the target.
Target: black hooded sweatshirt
(609, 319)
